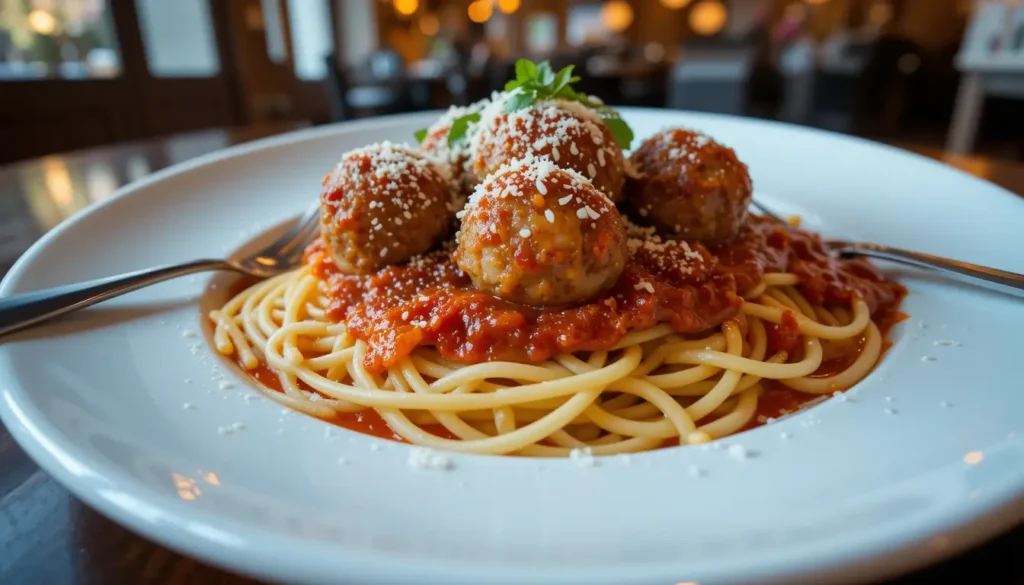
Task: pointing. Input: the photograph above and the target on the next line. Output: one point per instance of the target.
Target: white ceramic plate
(136, 415)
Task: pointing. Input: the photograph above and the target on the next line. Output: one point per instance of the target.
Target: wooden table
(48, 537)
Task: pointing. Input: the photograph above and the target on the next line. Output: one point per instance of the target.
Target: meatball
(536, 234)
(384, 204)
(573, 136)
(435, 144)
(689, 186)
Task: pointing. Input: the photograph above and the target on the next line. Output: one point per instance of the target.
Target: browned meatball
(571, 135)
(536, 234)
(384, 204)
(689, 186)
(458, 154)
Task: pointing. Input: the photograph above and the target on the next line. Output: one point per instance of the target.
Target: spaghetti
(653, 387)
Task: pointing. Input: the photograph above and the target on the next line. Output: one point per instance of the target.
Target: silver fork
(991, 278)
(20, 311)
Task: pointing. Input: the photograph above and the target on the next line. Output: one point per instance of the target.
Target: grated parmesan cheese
(738, 452)
(583, 457)
(426, 458)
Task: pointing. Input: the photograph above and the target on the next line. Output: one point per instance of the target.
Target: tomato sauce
(778, 400)
(429, 301)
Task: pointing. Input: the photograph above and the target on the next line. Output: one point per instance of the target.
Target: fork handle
(991, 278)
(20, 311)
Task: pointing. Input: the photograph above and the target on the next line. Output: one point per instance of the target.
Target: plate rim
(997, 515)
(976, 523)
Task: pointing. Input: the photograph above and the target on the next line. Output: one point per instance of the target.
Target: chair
(381, 87)
(713, 76)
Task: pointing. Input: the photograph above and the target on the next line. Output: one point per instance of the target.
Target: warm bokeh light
(406, 7)
(674, 4)
(42, 22)
(186, 487)
(816, 1)
(973, 457)
(617, 15)
(508, 6)
(654, 52)
(58, 182)
(880, 14)
(429, 25)
(708, 17)
(480, 11)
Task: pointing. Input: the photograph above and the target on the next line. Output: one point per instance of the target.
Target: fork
(24, 310)
(984, 276)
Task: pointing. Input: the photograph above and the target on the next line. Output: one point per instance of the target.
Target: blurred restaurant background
(81, 74)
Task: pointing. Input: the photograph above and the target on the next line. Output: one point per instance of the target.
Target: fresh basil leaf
(512, 84)
(544, 73)
(526, 70)
(561, 79)
(459, 127)
(621, 131)
(420, 135)
(568, 93)
(575, 78)
(520, 101)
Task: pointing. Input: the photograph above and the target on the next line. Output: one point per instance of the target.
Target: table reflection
(37, 195)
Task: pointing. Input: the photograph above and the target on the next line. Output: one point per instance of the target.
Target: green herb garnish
(459, 127)
(537, 81)
(456, 132)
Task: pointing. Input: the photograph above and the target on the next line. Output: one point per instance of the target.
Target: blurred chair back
(379, 86)
(713, 78)
(337, 90)
(837, 85)
(385, 64)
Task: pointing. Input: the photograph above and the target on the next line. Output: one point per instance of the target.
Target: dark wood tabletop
(48, 537)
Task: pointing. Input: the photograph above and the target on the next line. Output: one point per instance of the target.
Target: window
(71, 39)
(541, 32)
(310, 26)
(584, 25)
(178, 38)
